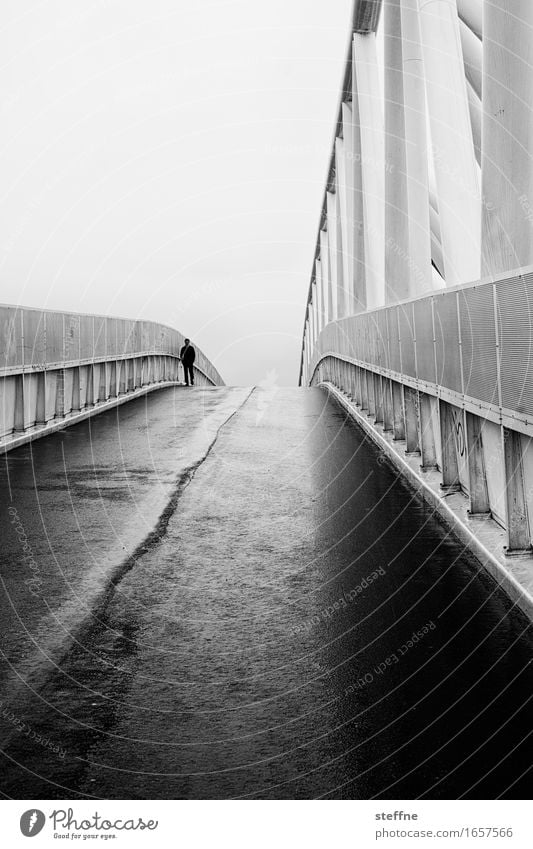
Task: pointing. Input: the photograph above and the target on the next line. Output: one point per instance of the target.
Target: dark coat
(188, 355)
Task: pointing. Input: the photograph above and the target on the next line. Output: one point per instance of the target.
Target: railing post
(122, 377)
(18, 419)
(358, 390)
(518, 534)
(398, 412)
(428, 448)
(40, 403)
(113, 379)
(371, 395)
(102, 382)
(364, 389)
(388, 420)
(60, 394)
(378, 394)
(89, 392)
(75, 402)
(412, 446)
(477, 476)
(450, 466)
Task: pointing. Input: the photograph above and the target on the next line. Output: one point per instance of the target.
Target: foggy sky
(166, 160)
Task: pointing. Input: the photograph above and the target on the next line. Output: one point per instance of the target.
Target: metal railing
(59, 367)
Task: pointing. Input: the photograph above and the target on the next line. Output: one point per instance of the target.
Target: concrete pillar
(479, 495)
(321, 308)
(410, 398)
(343, 292)
(388, 420)
(102, 382)
(378, 394)
(397, 270)
(518, 533)
(113, 379)
(507, 161)
(450, 467)
(458, 188)
(357, 386)
(364, 389)
(428, 449)
(60, 393)
(371, 394)
(354, 179)
(368, 110)
(353, 383)
(75, 400)
(319, 297)
(398, 412)
(18, 417)
(334, 253)
(416, 150)
(40, 406)
(121, 366)
(325, 275)
(89, 393)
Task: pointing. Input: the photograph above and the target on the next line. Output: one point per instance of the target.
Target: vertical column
(335, 258)
(388, 421)
(479, 496)
(397, 269)
(450, 467)
(378, 394)
(322, 295)
(456, 170)
(398, 412)
(102, 382)
(311, 329)
(89, 387)
(40, 404)
(370, 393)
(364, 389)
(316, 329)
(507, 162)
(354, 180)
(367, 96)
(121, 377)
(60, 393)
(113, 379)
(518, 533)
(343, 295)
(325, 274)
(410, 398)
(18, 419)
(76, 399)
(428, 449)
(416, 150)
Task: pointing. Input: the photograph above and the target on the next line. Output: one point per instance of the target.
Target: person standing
(187, 357)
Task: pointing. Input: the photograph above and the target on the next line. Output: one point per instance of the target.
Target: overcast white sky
(166, 160)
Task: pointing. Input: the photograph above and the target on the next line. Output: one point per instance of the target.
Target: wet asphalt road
(228, 594)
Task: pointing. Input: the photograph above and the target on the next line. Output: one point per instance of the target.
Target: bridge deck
(229, 584)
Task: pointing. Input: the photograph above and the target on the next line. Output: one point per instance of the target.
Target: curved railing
(450, 377)
(57, 368)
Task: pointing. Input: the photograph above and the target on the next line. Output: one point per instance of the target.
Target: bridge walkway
(234, 596)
